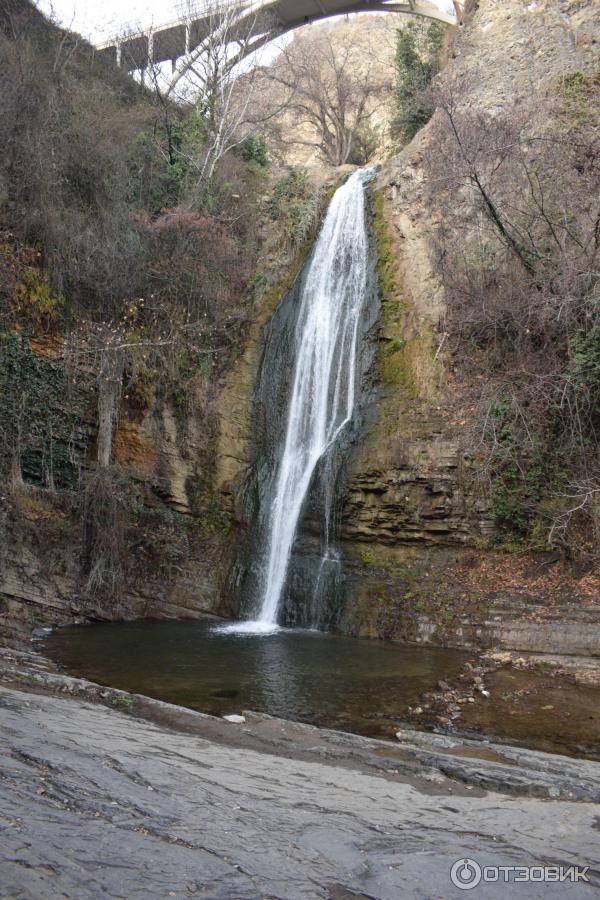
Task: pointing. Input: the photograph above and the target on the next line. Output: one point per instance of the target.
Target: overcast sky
(100, 20)
(103, 19)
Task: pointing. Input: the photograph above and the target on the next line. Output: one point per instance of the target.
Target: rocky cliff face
(163, 460)
(511, 48)
(416, 517)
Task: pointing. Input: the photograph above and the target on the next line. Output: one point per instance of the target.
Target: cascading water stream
(323, 389)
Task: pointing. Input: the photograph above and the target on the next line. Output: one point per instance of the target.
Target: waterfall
(323, 387)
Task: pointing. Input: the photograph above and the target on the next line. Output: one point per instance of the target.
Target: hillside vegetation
(126, 285)
(517, 250)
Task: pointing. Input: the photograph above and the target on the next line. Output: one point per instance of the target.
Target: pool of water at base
(351, 684)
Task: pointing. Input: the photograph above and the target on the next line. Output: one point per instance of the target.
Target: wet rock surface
(100, 802)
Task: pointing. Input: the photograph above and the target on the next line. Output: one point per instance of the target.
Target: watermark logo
(466, 874)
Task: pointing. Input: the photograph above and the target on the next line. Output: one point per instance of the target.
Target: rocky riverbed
(542, 701)
(106, 794)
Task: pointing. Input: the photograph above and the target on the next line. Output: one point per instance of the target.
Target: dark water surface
(346, 683)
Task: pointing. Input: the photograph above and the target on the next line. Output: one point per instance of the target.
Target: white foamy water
(324, 382)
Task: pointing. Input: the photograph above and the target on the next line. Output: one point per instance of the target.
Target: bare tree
(332, 85)
(211, 76)
(110, 381)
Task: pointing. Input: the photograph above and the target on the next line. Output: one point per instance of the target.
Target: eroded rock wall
(417, 516)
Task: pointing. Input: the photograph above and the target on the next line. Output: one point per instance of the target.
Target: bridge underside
(173, 42)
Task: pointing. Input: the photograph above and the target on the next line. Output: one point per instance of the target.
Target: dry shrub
(517, 248)
(105, 512)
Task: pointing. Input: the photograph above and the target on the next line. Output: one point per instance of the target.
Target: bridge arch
(180, 40)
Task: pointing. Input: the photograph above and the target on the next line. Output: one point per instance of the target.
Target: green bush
(365, 145)
(37, 303)
(253, 149)
(518, 479)
(296, 206)
(584, 366)
(417, 60)
(42, 416)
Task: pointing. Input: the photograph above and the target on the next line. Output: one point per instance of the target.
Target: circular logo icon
(465, 874)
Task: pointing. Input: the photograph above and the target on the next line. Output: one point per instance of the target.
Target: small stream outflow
(323, 387)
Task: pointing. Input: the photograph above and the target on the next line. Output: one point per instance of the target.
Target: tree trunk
(16, 472)
(109, 393)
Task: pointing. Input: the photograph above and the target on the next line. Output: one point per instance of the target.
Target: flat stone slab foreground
(97, 803)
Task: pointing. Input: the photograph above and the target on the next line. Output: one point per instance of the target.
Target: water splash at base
(255, 627)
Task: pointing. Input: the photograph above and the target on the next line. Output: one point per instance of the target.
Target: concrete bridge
(267, 19)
